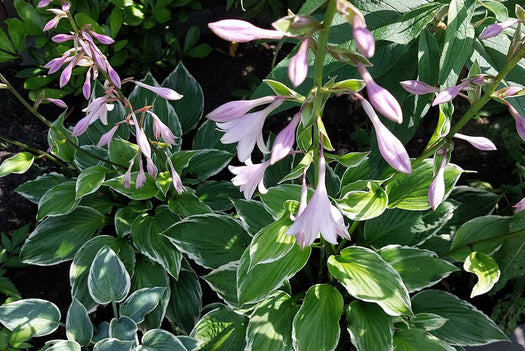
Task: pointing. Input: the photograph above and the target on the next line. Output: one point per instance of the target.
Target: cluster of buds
(86, 53)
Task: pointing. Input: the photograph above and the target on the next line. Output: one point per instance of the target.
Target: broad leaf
(160, 340)
(369, 326)
(485, 268)
(33, 190)
(415, 339)
(17, 164)
(253, 214)
(148, 191)
(59, 200)
(65, 346)
(141, 302)
(367, 277)
(108, 280)
(89, 180)
(112, 344)
(220, 279)
(185, 303)
(78, 324)
(363, 205)
(123, 328)
(30, 318)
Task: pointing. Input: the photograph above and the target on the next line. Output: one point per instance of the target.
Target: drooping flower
(142, 139)
(241, 31)
(319, 216)
(104, 39)
(86, 87)
(152, 169)
(298, 66)
(54, 21)
(390, 147)
(43, 3)
(166, 93)
(480, 143)
(520, 121)
(141, 176)
(436, 191)
(417, 87)
(236, 109)
(284, 141)
(380, 98)
(363, 38)
(520, 206)
(126, 180)
(160, 129)
(496, 28)
(97, 109)
(57, 102)
(249, 177)
(450, 93)
(246, 131)
(175, 178)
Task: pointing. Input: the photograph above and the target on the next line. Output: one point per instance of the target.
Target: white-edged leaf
(17, 164)
(89, 180)
(160, 340)
(30, 317)
(485, 268)
(369, 326)
(108, 280)
(141, 302)
(78, 324)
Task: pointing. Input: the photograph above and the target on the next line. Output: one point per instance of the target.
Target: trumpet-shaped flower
(241, 31)
(152, 169)
(236, 109)
(417, 87)
(126, 181)
(166, 93)
(175, 178)
(97, 109)
(496, 28)
(106, 138)
(363, 38)
(141, 176)
(436, 191)
(54, 21)
(249, 177)
(381, 98)
(450, 93)
(160, 129)
(480, 143)
(284, 141)
(520, 121)
(298, 67)
(390, 147)
(319, 216)
(247, 131)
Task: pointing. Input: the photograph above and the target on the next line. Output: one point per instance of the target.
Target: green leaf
(210, 240)
(30, 318)
(410, 192)
(89, 180)
(160, 340)
(427, 321)
(17, 164)
(64, 345)
(220, 330)
(204, 164)
(406, 227)
(465, 326)
(148, 191)
(5, 44)
(141, 302)
(485, 268)
(253, 214)
(219, 281)
(369, 326)
(275, 198)
(459, 40)
(270, 325)
(108, 280)
(33, 190)
(149, 242)
(209, 137)
(218, 194)
(57, 239)
(185, 303)
(418, 268)
(57, 201)
(316, 324)
(187, 204)
(78, 324)
(362, 205)
(255, 283)
(115, 21)
(189, 108)
(60, 140)
(125, 216)
(415, 339)
(123, 328)
(366, 276)
(112, 344)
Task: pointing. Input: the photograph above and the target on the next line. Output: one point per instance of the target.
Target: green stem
(114, 306)
(344, 241)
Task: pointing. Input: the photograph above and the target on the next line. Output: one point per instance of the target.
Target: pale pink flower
(152, 169)
(380, 98)
(175, 178)
(480, 143)
(166, 93)
(106, 138)
(511, 91)
(298, 66)
(43, 3)
(59, 14)
(520, 206)
(496, 28)
(126, 180)
(160, 129)
(304, 196)
(417, 87)
(363, 38)
(241, 31)
(104, 39)
(142, 139)
(436, 191)
(57, 102)
(450, 93)
(236, 109)
(97, 109)
(247, 130)
(319, 216)
(141, 176)
(390, 147)
(250, 177)
(520, 121)
(284, 141)
(60, 38)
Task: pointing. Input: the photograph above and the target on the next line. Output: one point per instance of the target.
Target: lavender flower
(246, 131)
(496, 28)
(141, 176)
(381, 98)
(436, 191)
(160, 128)
(520, 121)
(142, 139)
(104, 39)
(390, 147)
(480, 143)
(250, 177)
(520, 206)
(166, 93)
(298, 67)
(43, 3)
(59, 14)
(175, 178)
(417, 87)
(106, 138)
(363, 38)
(284, 141)
(126, 180)
(241, 31)
(236, 109)
(57, 102)
(86, 87)
(319, 216)
(450, 93)
(152, 169)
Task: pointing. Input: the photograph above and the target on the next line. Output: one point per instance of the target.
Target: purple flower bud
(166, 93)
(298, 67)
(55, 64)
(417, 87)
(284, 141)
(520, 206)
(390, 147)
(450, 93)
(81, 126)
(304, 196)
(57, 102)
(160, 129)
(141, 176)
(511, 91)
(86, 87)
(152, 169)
(65, 76)
(127, 176)
(363, 38)
(381, 98)
(436, 191)
(241, 31)
(106, 138)
(43, 3)
(54, 21)
(104, 39)
(520, 121)
(113, 75)
(66, 6)
(236, 109)
(496, 28)
(60, 38)
(175, 178)
(142, 139)
(250, 177)
(479, 143)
